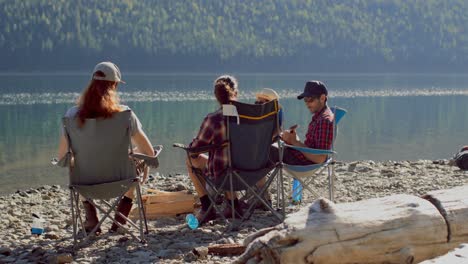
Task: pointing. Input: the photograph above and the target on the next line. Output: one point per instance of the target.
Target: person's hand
(289, 136)
(142, 170)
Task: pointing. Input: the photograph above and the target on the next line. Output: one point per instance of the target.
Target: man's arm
(290, 138)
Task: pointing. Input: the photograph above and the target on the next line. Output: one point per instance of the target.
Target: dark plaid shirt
(319, 133)
(213, 131)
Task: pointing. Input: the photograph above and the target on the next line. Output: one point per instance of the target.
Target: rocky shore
(170, 240)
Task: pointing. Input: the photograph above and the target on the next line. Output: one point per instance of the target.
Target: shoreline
(169, 240)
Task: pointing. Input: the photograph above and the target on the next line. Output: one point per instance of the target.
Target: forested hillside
(234, 34)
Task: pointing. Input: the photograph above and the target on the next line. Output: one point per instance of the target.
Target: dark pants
(288, 157)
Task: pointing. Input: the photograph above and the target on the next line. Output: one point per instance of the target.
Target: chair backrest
(339, 114)
(100, 149)
(250, 134)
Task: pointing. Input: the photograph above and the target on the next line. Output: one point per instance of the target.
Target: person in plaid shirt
(320, 131)
(213, 132)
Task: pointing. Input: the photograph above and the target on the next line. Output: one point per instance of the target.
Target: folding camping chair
(250, 129)
(102, 168)
(307, 175)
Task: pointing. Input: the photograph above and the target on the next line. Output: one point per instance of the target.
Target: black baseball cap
(313, 89)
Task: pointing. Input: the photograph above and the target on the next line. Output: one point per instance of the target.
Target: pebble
(51, 236)
(8, 260)
(60, 259)
(36, 252)
(5, 251)
(190, 257)
(182, 246)
(167, 253)
(53, 228)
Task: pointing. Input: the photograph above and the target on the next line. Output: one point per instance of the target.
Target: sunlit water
(390, 117)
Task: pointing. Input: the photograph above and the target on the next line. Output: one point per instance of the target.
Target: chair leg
(78, 213)
(281, 193)
(141, 211)
(213, 200)
(74, 219)
(330, 182)
(258, 196)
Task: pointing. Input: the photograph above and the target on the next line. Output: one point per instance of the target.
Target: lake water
(390, 116)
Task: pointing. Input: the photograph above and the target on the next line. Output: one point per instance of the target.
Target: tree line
(268, 34)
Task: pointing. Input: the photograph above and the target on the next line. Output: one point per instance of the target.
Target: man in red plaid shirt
(320, 131)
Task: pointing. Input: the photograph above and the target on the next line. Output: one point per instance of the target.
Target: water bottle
(37, 227)
(192, 221)
(296, 191)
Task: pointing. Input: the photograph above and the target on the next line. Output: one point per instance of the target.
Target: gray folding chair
(102, 169)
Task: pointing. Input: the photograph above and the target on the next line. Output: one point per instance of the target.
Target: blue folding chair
(307, 175)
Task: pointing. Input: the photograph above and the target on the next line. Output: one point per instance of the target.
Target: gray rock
(64, 258)
(8, 260)
(22, 261)
(5, 251)
(189, 257)
(352, 167)
(123, 239)
(182, 246)
(24, 194)
(51, 235)
(53, 228)
(202, 252)
(142, 254)
(168, 253)
(37, 252)
(181, 186)
(23, 255)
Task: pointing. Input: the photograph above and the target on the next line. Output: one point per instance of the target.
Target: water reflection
(382, 128)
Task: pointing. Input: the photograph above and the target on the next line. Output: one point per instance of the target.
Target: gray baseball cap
(110, 70)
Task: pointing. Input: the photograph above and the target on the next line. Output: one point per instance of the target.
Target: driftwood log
(226, 249)
(393, 229)
(159, 204)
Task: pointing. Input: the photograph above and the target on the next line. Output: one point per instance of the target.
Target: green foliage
(390, 30)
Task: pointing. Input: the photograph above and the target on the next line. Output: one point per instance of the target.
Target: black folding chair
(250, 134)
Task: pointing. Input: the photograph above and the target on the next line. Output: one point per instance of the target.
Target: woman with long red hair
(100, 100)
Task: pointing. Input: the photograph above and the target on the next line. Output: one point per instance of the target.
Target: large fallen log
(453, 205)
(393, 229)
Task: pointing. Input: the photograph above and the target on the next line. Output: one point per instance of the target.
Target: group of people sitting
(100, 100)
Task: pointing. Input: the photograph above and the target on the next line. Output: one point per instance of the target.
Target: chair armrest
(310, 150)
(180, 145)
(151, 161)
(199, 150)
(65, 161)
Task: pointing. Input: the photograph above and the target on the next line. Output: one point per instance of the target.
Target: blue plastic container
(37, 227)
(296, 191)
(37, 231)
(192, 221)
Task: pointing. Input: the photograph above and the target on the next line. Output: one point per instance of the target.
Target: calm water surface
(390, 117)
